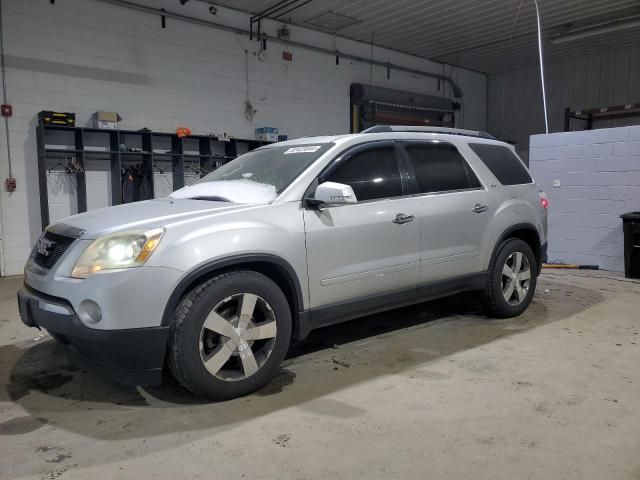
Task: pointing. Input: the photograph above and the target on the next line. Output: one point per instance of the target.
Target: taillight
(544, 200)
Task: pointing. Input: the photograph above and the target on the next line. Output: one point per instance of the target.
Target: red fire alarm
(10, 183)
(7, 110)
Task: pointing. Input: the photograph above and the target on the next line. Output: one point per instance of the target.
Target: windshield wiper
(212, 199)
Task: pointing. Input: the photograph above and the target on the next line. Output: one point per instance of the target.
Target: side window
(373, 173)
(502, 162)
(439, 167)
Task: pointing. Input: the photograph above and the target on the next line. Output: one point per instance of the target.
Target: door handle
(480, 208)
(401, 218)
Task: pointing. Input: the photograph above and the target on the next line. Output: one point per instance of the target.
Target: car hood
(147, 215)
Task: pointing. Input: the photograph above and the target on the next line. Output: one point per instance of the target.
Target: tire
(197, 349)
(500, 282)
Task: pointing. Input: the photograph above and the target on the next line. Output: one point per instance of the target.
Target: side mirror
(331, 193)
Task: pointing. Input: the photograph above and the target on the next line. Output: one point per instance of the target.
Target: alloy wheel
(516, 278)
(238, 337)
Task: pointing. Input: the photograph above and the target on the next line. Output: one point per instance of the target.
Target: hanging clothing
(128, 186)
(136, 185)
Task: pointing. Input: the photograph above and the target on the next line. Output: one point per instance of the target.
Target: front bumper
(132, 356)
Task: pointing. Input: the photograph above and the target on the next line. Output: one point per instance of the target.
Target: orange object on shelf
(183, 132)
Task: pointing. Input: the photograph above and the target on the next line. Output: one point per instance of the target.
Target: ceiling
(481, 35)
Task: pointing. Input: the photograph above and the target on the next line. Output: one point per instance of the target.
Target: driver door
(360, 255)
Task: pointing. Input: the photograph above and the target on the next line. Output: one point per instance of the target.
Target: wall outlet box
(556, 182)
(288, 56)
(10, 184)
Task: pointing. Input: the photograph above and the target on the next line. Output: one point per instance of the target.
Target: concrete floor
(432, 391)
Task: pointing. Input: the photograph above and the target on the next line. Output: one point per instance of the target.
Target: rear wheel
(512, 280)
(229, 335)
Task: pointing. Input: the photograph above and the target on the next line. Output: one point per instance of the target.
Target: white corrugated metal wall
(607, 78)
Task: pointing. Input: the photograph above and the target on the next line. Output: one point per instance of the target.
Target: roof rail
(416, 129)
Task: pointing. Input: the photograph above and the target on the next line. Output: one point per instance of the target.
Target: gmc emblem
(43, 247)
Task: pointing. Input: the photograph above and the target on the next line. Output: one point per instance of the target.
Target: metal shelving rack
(600, 113)
(209, 156)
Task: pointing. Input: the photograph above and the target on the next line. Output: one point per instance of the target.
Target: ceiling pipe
(4, 91)
(457, 91)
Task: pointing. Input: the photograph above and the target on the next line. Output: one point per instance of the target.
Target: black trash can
(631, 227)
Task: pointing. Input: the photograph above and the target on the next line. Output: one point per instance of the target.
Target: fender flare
(509, 231)
(204, 269)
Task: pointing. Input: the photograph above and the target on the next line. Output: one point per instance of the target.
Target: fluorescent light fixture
(598, 30)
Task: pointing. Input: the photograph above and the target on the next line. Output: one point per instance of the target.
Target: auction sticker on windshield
(304, 149)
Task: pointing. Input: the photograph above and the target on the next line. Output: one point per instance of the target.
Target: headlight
(120, 250)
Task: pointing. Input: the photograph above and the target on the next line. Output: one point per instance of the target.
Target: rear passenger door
(454, 210)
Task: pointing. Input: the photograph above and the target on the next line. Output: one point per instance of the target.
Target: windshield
(255, 177)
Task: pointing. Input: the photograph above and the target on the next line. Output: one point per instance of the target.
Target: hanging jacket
(128, 186)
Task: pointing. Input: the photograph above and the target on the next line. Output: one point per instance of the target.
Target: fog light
(89, 312)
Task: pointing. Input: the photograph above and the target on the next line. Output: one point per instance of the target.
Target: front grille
(50, 248)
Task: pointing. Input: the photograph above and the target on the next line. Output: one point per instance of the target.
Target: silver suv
(218, 279)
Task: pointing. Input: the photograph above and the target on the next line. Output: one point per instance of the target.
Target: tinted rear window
(502, 162)
(439, 167)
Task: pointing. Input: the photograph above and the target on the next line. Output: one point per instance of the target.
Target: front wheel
(229, 335)
(512, 280)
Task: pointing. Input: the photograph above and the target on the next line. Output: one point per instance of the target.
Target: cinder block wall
(84, 55)
(597, 176)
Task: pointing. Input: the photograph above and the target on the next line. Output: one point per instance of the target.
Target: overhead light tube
(544, 90)
(592, 32)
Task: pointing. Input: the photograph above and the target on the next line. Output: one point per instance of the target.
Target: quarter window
(372, 173)
(503, 163)
(439, 167)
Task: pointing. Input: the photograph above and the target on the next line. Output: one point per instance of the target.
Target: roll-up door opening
(383, 106)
